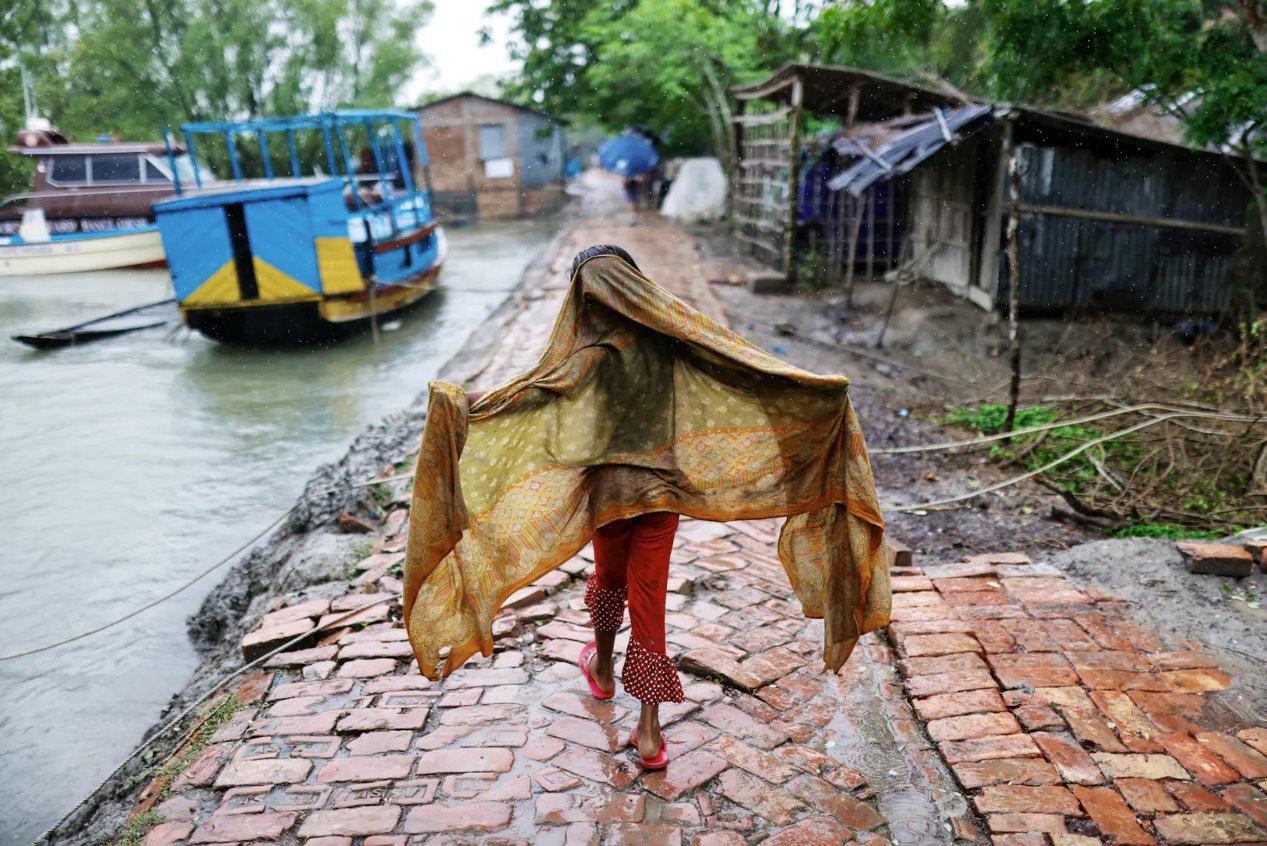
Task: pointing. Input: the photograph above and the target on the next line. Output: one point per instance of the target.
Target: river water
(131, 464)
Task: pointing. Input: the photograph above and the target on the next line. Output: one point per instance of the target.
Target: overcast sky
(451, 42)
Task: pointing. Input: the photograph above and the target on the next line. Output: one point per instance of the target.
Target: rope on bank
(193, 706)
(196, 578)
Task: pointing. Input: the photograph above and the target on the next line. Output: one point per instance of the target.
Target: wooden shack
(492, 159)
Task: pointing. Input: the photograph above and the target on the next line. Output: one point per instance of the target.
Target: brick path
(1060, 721)
(1063, 720)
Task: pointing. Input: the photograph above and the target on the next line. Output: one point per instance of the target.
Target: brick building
(492, 159)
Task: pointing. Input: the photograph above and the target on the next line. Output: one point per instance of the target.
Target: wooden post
(855, 221)
(868, 204)
(793, 177)
(1014, 273)
(732, 196)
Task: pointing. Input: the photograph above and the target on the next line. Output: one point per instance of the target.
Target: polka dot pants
(631, 564)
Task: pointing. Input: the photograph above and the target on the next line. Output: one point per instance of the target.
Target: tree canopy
(129, 67)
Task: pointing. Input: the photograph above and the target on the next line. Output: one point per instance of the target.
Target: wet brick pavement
(1004, 704)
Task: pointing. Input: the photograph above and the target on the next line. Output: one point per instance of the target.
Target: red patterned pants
(631, 561)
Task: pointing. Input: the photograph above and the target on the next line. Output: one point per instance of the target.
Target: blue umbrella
(628, 155)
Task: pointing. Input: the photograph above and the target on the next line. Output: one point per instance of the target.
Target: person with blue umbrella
(632, 156)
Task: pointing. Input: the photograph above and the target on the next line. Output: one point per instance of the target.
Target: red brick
(752, 794)
(1205, 766)
(1255, 737)
(917, 646)
(485, 677)
(382, 719)
(480, 715)
(1219, 559)
(378, 742)
(1195, 798)
(1069, 759)
(1033, 670)
(1014, 799)
(973, 726)
(643, 834)
(823, 796)
(1208, 828)
(1028, 771)
(371, 820)
(1197, 681)
(265, 771)
(1246, 761)
(1092, 730)
(418, 791)
(205, 768)
(586, 707)
(174, 833)
(366, 668)
(1131, 723)
(733, 721)
(814, 831)
(753, 760)
(470, 760)
(221, 828)
(1139, 766)
(1250, 800)
(1190, 660)
(1026, 822)
(718, 664)
(944, 664)
(773, 664)
(366, 768)
(955, 682)
(605, 738)
(376, 649)
(956, 704)
(560, 808)
(468, 816)
(1033, 839)
(1146, 796)
(1008, 746)
(597, 766)
(1114, 819)
(684, 774)
(316, 724)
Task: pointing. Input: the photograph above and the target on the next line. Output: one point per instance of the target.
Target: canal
(131, 464)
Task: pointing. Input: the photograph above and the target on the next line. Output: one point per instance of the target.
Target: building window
(492, 141)
(69, 170)
(116, 168)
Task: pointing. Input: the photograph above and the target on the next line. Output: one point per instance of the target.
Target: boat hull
(311, 322)
(84, 253)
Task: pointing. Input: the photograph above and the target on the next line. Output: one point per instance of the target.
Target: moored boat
(90, 206)
(306, 257)
(81, 251)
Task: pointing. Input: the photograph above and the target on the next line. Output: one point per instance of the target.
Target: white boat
(81, 251)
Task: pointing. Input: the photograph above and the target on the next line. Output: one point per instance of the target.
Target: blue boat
(321, 252)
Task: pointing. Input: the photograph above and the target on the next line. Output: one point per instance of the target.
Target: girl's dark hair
(602, 250)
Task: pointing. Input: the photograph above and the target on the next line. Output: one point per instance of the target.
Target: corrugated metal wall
(1070, 261)
(540, 151)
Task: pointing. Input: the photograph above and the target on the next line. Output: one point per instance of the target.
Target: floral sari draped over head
(639, 404)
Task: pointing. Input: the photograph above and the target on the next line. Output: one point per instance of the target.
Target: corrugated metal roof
(907, 150)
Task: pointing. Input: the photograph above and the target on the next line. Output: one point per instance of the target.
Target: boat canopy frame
(329, 123)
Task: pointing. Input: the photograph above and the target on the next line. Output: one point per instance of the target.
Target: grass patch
(1128, 477)
(135, 829)
(1166, 531)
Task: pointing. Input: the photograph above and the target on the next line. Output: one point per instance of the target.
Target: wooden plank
(1142, 220)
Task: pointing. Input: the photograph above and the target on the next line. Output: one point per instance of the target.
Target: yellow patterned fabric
(639, 404)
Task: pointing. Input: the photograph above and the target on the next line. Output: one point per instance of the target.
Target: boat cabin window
(154, 173)
(69, 170)
(116, 168)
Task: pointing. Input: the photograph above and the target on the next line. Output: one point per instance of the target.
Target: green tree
(668, 64)
(129, 67)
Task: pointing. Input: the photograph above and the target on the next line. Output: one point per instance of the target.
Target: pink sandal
(584, 661)
(661, 759)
